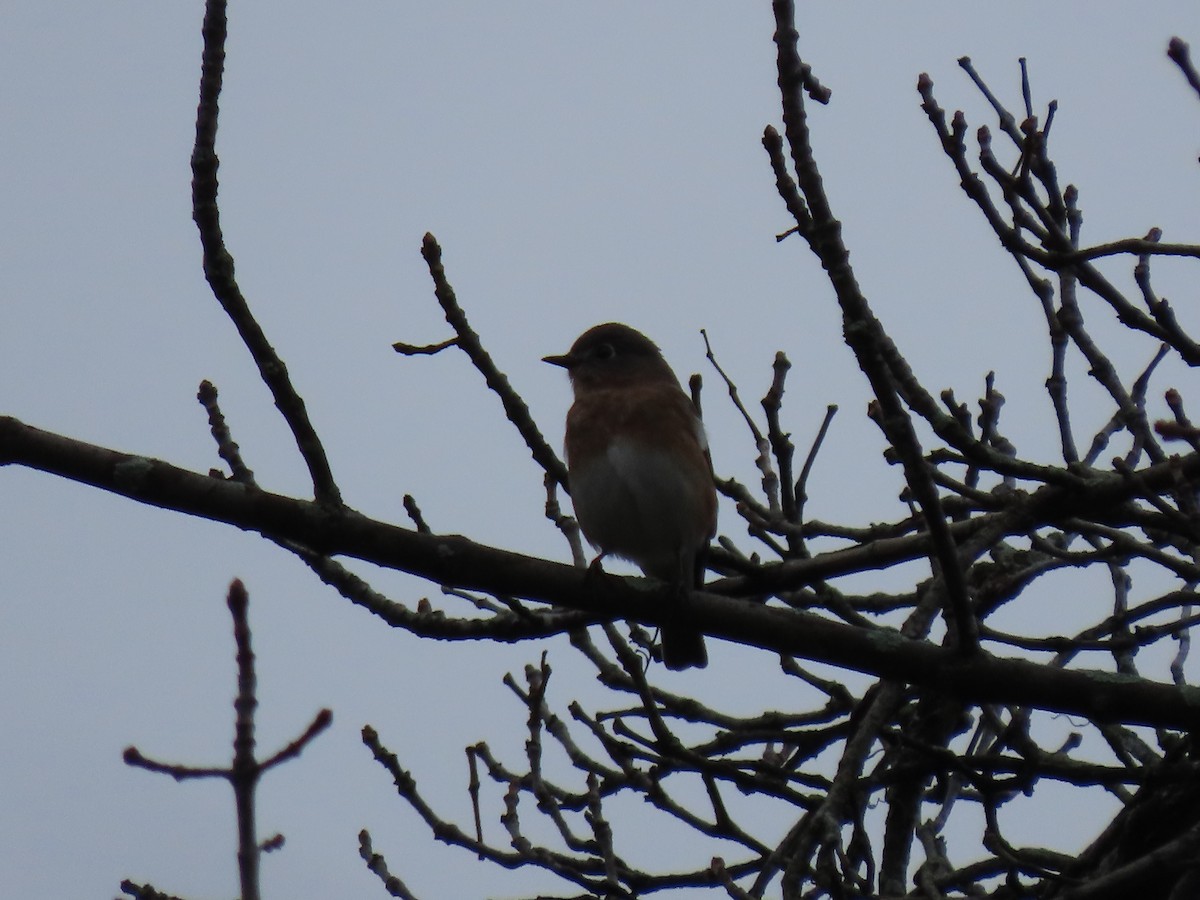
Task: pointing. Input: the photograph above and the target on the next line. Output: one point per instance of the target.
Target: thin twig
(468, 341)
(1180, 54)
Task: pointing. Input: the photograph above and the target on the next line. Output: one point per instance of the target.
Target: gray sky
(578, 163)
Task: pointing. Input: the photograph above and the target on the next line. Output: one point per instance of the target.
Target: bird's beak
(566, 360)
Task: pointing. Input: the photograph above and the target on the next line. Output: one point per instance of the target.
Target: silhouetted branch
(218, 262)
(468, 341)
(1180, 54)
(872, 347)
(245, 770)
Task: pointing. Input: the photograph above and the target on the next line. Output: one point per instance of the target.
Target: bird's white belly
(640, 504)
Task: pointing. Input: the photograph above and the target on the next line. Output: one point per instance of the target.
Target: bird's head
(613, 355)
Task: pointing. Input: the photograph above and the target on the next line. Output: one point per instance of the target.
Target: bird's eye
(605, 351)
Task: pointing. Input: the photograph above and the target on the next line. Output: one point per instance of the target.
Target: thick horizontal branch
(457, 561)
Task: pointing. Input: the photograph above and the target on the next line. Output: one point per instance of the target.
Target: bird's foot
(594, 570)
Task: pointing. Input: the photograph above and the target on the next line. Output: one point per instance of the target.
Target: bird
(639, 470)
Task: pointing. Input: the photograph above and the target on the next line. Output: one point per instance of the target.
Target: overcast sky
(579, 163)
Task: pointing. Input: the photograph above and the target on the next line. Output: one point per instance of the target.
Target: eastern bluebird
(640, 474)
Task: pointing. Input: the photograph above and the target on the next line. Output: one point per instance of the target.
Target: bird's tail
(683, 647)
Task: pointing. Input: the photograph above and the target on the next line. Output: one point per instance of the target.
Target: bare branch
(468, 341)
(863, 332)
(218, 262)
(1180, 54)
